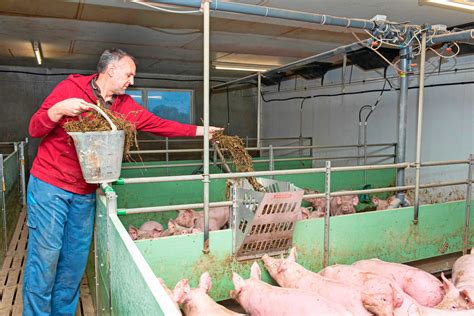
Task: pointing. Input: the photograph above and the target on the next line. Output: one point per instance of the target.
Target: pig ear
(156, 232)
(205, 282)
(293, 255)
(171, 224)
(355, 200)
(282, 266)
(338, 200)
(239, 283)
(465, 296)
(255, 272)
(180, 291)
(447, 285)
(376, 200)
(133, 232)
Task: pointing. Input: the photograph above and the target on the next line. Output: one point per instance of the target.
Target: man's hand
(212, 130)
(69, 107)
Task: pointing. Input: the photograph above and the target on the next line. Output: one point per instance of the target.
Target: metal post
(328, 213)
(205, 5)
(22, 174)
(167, 154)
(259, 109)
(96, 272)
(246, 141)
(111, 208)
(344, 68)
(419, 128)
(365, 151)
(359, 142)
(271, 163)
(4, 207)
(402, 118)
(466, 241)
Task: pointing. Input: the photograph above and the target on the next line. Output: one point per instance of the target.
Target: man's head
(117, 68)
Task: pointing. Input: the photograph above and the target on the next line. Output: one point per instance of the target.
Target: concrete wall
(22, 91)
(448, 126)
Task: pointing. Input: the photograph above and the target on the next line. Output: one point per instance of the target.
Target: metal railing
(328, 194)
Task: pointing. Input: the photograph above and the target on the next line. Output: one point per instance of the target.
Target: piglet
(196, 302)
(259, 298)
(175, 229)
(318, 204)
(342, 205)
(218, 217)
(148, 230)
(426, 289)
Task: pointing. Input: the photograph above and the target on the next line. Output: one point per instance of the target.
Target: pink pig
(260, 299)
(288, 273)
(196, 302)
(218, 217)
(410, 307)
(148, 230)
(422, 286)
(342, 205)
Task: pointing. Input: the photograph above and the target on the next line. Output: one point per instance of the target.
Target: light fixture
(248, 68)
(37, 51)
(459, 5)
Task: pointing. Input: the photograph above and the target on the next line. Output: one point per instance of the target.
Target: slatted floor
(11, 276)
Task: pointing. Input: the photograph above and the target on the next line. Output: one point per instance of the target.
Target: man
(61, 205)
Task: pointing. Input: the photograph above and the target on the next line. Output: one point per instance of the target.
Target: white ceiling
(74, 33)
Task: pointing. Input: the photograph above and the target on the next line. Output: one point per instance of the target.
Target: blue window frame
(171, 104)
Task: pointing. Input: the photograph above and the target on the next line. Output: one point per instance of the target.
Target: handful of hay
(239, 155)
(94, 122)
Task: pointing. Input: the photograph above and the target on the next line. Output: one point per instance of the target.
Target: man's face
(122, 74)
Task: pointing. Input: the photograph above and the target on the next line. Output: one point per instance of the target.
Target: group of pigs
(367, 287)
(188, 221)
(342, 205)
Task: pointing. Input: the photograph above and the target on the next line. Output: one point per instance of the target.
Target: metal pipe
(419, 127)
(168, 208)
(402, 118)
(327, 216)
(300, 63)
(271, 163)
(205, 7)
(462, 36)
(359, 142)
(22, 174)
(466, 241)
(161, 151)
(365, 150)
(96, 272)
(123, 181)
(259, 109)
(255, 161)
(167, 154)
(4, 208)
(221, 156)
(151, 209)
(192, 140)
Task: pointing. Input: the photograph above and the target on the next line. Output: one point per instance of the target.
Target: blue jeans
(60, 227)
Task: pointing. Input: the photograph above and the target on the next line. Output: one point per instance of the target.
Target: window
(171, 104)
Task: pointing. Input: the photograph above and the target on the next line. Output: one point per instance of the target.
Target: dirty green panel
(439, 231)
(172, 193)
(186, 170)
(130, 292)
(388, 235)
(179, 257)
(167, 193)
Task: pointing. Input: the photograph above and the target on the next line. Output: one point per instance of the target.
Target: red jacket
(56, 161)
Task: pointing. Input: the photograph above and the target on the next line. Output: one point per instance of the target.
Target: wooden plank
(7, 298)
(13, 277)
(86, 298)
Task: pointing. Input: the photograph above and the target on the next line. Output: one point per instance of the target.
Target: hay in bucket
(94, 122)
